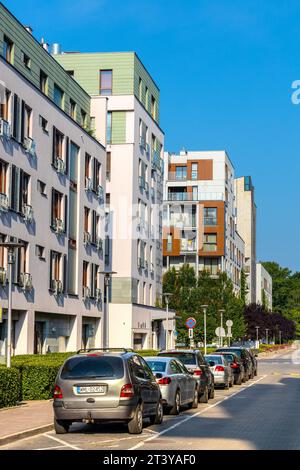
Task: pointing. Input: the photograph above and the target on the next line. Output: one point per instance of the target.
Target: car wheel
(135, 425)
(61, 426)
(159, 415)
(255, 373)
(204, 396)
(194, 403)
(212, 392)
(175, 410)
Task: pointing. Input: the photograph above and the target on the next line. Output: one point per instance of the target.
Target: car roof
(185, 351)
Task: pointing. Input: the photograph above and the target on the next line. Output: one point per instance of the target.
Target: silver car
(178, 386)
(221, 370)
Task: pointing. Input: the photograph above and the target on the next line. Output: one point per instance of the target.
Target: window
(57, 268)
(211, 265)
(16, 117)
(143, 134)
(41, 187)
(2, 252)
(210, 216)
(153, 107)
(87, 164)
(5, 106)
(194, 173)
(26, 127)
(95, 227)
(141, 253)
(70, 72)
(72, 109)
(58, 146)
(106, 82)
(109, 128)
(26, 60)
(43, 82)
(180, 173)
(140, 89)
(210, 242)
(3, 173)
(20, 184)
(40, 251)
(59, 204)
(86, 220)
(96, 175)
(146, 97)
(58, 96)
(169, 242)
(8, 49)
(195, 193)
(83, 118)
(74, 158)
(21, 262)
(108, 165)
(85, 272)
(43, 124)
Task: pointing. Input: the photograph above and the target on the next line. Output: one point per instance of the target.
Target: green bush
(9, 386)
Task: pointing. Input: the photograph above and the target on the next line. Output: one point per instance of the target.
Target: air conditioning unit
(99, 243)
(57, 286)
(100, 193)
(27, 212)
(59, 226)
(98, 295)
(5, 130)
(3, 277)
(87, 238)
(4, 206)
(26, 281)
(86, 292)
(30, 146)
(88, 183)
(59, 165)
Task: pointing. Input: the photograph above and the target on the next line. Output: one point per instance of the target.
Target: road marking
(140, 444)
(65, 444)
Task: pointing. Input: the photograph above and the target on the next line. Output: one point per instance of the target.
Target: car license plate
(101, 389)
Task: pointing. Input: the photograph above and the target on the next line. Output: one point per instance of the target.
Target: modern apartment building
(125, 118)
(264, 287)
(246, 225)
(52, 188)
(200, 214)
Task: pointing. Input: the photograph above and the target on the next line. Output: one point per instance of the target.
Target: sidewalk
(25, 420)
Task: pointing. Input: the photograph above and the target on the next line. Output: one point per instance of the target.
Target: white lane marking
(140, 444)
(65, 444)
(50, 448)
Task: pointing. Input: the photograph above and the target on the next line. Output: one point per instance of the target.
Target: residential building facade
(246, 225)
(125, 118)
(199, 214)
(46, 201)
(264, 287)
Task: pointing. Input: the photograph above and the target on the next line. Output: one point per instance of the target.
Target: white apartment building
(46, 201)
(264, 287)
(125, 118)
(246, 225)
(200, 214)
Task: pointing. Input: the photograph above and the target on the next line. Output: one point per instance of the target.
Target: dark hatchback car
(244, 356)
(253, 355)
(236, 366)
(106, 385)
(197, 365)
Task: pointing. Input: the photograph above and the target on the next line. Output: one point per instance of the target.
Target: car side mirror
(158, 375)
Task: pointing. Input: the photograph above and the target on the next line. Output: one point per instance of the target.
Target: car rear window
(85, 367)
(216, 359)
(157, 366)
(229, 357)
(238, 352)
(188, 359)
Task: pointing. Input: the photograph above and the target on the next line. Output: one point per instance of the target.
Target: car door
(179, 378)
(205, 369)
(226, 368)
(141, 382)
(153, 388)
(190, 382)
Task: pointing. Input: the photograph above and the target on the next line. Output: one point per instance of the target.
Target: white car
(221, 370)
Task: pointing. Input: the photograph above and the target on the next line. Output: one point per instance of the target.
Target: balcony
(185, 196)
(156, 161)
(141, 182)
(27, 213)
(86, 293)
(88, 184)
(59, 226)
(26, 281)
(87, 238)
(141, 263)
(29, 146)
(59, 165)
(5, 129)
(57, 286)
(173, 176)
(100, 194)
(188, 246)
(152, 193)
(4, 205)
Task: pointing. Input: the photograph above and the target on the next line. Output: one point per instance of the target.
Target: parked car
(244, 355)
(253, 356)
(222, 371)
(236, 366)
(195, 363)
(177, 385)
(106, 385)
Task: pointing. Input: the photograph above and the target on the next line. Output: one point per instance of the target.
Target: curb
(27, 433)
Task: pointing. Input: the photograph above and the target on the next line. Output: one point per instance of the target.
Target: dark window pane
(93, 367)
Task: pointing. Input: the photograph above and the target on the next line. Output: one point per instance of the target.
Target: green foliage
(9, 386)
(189, 293)
(243, 287)
(286, 292)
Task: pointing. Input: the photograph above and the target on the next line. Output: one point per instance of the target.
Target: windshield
(85, 367)
(157, 366)
(188, 359)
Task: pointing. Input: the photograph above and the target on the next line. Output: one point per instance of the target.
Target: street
(263, 414)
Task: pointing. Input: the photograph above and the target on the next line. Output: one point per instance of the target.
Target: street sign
(190, 323)
(220, 332)
(191, 333)
(229, 323)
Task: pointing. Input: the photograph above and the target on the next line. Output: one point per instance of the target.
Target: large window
(59, 204)
(194, 173)
(8, 49)
(180, 173)
(210, 242)
(43, 82)
(20, 183)
(3, 173)
(5, 106)
(57, 270)
(211, 265)
(109, 128)
(106, 82)
(153, 107)
(58, 96)
(210, 216)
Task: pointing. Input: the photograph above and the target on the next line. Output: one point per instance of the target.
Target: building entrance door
(39, 337)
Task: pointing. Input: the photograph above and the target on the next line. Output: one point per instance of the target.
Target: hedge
(10, 392)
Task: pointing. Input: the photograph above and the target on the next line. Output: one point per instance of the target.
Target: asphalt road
(262, 414)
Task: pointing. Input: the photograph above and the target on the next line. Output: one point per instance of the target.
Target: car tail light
(57, 392)
(164, 381)
(127, 391)
(219, 369)
(234, 365)
(198, 372)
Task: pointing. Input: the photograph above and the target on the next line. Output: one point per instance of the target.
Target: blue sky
(224, 68)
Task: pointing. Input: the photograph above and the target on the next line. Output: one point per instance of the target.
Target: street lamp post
(279, 336)
(167, 296)
(11, 246)
(267, 336)
(105, 328)
(204, 308)
(221, 311)
(257, 328)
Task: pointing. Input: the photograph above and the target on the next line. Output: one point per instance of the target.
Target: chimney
(29, 29)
